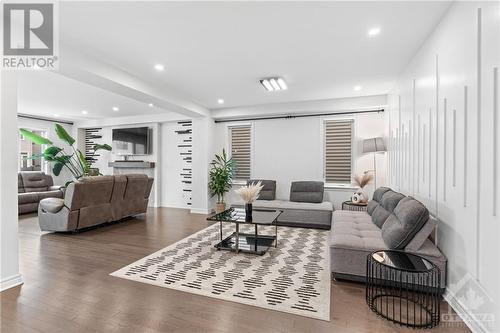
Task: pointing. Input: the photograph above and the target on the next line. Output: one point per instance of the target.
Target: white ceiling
(51, 95)
(221, 49)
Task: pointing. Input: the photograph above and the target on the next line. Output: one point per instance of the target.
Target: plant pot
(220, 207)
(248, 211)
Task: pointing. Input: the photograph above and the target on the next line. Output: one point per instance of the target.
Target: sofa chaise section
(355, 235)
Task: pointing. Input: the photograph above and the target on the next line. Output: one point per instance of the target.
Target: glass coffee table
(247, 242)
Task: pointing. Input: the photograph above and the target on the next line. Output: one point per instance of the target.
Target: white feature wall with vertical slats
(442, 126)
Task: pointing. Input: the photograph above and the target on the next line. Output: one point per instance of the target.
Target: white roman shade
(240, 140)
(338, 154)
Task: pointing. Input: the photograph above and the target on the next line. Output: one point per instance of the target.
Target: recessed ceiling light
(220, 101)
(357, 88)
(115, 108)
(56, 115)
(150, 105)
(84, 112)
(374, 31)
(159, 67)
(274, 84)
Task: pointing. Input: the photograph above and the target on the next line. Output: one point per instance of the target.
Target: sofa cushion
(268, 191)
(379, 216)
(390, 200)
(372, 204)
(24, 198)
(355, 230)
(377, 195)
(307, 191)
(35, 181)
(422, 235)
(20, 186)
(400, 227)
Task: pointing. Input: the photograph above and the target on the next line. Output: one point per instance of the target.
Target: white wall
(288, 150)
(9, 253)
(441, 127)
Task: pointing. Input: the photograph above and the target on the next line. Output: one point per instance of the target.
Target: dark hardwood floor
(67, 288)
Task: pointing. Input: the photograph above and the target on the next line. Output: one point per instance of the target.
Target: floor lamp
(374, 145)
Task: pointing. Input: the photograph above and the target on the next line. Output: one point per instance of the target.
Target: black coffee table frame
(247, 242)
(406, 295)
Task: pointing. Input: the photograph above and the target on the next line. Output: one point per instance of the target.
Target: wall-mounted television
(131, 141)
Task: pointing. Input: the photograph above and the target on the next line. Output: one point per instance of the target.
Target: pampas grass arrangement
(250, 193)
(363, 180)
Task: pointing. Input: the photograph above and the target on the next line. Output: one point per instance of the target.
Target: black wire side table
(349, 205)
(403, 288)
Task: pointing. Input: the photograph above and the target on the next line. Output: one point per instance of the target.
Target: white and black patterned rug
(293, 278)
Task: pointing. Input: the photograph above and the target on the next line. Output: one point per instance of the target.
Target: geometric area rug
(292, 278)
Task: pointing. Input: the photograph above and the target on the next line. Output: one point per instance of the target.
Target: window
(240, 141)
(338, 151)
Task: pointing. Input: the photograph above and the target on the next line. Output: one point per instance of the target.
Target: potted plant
(249, 194)
(221, 178)
(74, 161)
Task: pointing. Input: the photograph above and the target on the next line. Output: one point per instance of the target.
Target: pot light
(274, 84)
(150, 105)
(220, 101)
(159, 67)
(373, 31)
(115, 108)
(56, 115)
(357, 88)
(84, 112)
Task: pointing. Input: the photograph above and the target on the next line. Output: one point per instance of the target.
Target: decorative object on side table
(374, 145)
(403, 288)
(360, 196)
(349, 205)
(249, 194)
(74, 161)
(221, 178)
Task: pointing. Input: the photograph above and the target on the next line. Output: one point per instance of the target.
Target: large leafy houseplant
(222, 170)
(74, 161)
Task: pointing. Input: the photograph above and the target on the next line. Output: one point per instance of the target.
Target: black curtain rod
(298, 116)
(27, 116)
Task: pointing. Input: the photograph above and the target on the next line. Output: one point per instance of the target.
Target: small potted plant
(221, 178)
(249, 194)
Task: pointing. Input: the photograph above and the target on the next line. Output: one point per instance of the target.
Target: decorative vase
(220, 207)
(248, 211)
(359, 197)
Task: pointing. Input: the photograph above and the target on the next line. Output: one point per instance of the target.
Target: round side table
(403, 288)
(349, 205)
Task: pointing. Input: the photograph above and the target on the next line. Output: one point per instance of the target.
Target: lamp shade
(373, 145)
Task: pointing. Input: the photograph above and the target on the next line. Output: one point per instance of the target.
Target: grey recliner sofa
(33, 186)
(92, 201)
(392, 221)
(305, 208)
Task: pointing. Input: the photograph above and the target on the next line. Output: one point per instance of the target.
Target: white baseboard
(203, 211)
(460, 308)
(11, 281)
(169, 205)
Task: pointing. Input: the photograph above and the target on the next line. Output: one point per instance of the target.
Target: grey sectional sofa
(392, 221)
(33, 186)
(97, 200)
(305, 208)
